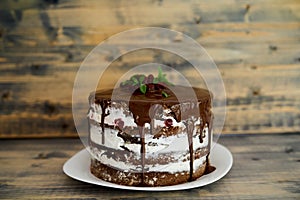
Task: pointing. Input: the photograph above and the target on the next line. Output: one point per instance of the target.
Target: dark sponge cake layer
(150, 179)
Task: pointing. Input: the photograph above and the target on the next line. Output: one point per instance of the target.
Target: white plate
(78, 167)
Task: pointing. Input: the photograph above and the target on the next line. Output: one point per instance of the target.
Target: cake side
(167, 137)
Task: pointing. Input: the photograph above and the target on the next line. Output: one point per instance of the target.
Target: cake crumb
(151, 182)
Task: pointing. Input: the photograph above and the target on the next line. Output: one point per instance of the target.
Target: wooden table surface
(264, 167)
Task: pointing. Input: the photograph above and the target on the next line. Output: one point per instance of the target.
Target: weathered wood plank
(124, 12)
(229, 32)
(264, 167)
(57, 22)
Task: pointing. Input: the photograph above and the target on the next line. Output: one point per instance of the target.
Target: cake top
(142, 88)
(175, 94)
(140, 104)
(142, 92)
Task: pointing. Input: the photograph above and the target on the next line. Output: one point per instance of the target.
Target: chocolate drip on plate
(208, 168)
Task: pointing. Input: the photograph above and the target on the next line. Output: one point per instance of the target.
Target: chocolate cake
(148, 132)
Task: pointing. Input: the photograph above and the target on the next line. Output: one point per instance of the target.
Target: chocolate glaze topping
(139, 104)
(182, 101)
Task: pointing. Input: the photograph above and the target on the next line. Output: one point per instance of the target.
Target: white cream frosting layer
(95, 113)
(177, 145)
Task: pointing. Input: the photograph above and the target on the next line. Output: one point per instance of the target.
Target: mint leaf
(134, 79)
(160, 73)
(143, 88)
(164, 94)
(142, 78)
(161, 77)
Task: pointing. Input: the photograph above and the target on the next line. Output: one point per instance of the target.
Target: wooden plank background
(255, 44)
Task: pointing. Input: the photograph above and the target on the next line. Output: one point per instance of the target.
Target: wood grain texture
(264, 167)
(255, 44)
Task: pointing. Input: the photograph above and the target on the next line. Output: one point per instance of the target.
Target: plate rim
(91, 179)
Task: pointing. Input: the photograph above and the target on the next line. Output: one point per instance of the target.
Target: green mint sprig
(143, 82)
(143, 88)
(161, 78)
